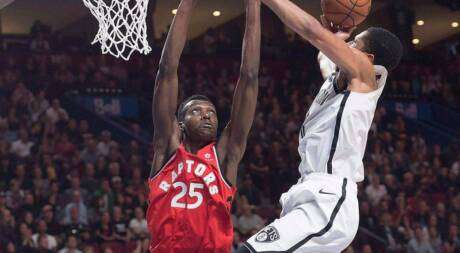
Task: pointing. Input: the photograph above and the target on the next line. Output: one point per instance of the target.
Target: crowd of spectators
(65, 187)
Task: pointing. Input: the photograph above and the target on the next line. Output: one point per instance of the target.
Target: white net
(122, 26)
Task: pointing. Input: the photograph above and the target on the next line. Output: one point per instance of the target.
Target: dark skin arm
(166, 136)
(232, 143)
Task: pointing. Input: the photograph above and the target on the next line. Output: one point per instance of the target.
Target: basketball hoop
(122, 26)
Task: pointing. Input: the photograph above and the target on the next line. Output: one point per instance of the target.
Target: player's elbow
(167, 69)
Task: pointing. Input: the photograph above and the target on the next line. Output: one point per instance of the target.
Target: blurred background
(76, 127)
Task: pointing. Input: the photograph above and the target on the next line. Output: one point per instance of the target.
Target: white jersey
(334, 134)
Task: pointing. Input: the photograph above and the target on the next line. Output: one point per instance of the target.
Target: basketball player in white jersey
(320, 213)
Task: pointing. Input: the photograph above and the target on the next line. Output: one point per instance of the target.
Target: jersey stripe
(336, 131)
(318, 234)
(229, 185)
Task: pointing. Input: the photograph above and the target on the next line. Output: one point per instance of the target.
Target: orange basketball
(346, 13)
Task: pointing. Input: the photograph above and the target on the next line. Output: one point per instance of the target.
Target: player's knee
(243, 249)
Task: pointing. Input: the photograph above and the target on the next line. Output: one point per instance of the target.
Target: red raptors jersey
(190, 202)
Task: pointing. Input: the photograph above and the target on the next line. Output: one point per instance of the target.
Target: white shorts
(320, 214)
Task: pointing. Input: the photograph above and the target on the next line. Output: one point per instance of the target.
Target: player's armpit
(164, 149)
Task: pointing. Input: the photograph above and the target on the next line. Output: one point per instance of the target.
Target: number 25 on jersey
(192, 193)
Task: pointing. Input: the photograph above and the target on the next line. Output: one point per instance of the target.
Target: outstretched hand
(343, 33)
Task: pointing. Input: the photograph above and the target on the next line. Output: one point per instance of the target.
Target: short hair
(182, 110)
(385, 46)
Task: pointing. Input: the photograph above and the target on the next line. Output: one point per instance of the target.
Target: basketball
(346, 13)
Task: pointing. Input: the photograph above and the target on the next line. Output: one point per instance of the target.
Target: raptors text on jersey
(190, 202)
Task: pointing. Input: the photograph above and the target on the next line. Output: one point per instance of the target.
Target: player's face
(200, 121)
(359, 44)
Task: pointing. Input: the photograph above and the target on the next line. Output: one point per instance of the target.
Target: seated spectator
(390, 183)
(22, 147)
(77, 206)
(435, 239)
(366, 218)
(56, 113)
(7, 225)
(375, 191)
(390, 233)
(39, 183)
(71, 245)
(75, 186)
(64, 148)
(90, 154)
(43, 245)
(249, 190)
(28, 218)
(74, 226)
(14, 195)
(29, 204)
(48, 216)
(72, 131)
(120, 226)
(248, 220)
(42, 238)
(103, 146)
(258, 166)
(117, 185)
(104, 230)
(20, 94)
(453, 240)
(10, 248)
(115, 156)
(38, 106)
(418, 242)
(138, 224)
(105, 196)
(88, 180)
(26, 243)
(137, 180)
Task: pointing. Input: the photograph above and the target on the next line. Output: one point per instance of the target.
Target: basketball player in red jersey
(193, 177)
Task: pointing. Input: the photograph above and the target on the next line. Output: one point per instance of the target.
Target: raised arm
(326, 66)
(232, 143)
(164, 105)
(356, 65)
